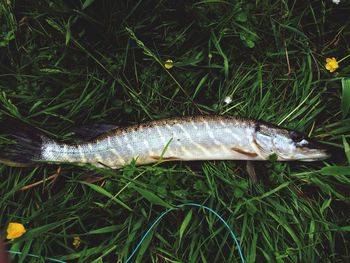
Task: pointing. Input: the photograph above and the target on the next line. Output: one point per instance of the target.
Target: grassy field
(64, 64)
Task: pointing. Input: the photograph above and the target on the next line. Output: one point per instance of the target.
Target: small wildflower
(227, 100)
(336, 1)
(76, 242)
(15, 230)
(331, 64)
(169, 64)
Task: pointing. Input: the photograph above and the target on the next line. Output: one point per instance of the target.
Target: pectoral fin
(251, 171)
(246, 153)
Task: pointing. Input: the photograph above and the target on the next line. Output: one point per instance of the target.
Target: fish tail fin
(23, 144)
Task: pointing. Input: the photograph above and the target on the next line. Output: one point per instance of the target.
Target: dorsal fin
(92, 131)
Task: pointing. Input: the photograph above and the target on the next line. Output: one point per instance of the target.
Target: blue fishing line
(150, 229)
(36, 256)
(180, 206)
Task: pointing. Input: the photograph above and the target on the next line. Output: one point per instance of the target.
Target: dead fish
(175, 139)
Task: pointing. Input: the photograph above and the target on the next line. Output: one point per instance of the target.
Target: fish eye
(296, 136)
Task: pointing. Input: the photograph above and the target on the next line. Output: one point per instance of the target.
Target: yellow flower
(331, 64)
(15, 230)
(76, 242)
(169, 64)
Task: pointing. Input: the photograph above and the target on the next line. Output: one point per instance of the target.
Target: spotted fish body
(186, 138)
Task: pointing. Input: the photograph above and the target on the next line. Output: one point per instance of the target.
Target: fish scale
(186, 139)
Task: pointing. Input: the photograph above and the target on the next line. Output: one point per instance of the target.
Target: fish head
(287, 144)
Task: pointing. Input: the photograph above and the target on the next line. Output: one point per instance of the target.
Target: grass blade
(345, 100)
(335, 170)
(104, 192)
(185, 224)
(151, 197)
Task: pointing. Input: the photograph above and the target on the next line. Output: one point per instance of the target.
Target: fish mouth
(316, 157)
(315, 151)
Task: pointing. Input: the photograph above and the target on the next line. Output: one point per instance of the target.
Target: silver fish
(182, 139)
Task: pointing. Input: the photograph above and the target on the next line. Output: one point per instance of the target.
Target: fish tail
(23, 148)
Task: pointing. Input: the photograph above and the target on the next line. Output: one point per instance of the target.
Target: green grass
(63, 65)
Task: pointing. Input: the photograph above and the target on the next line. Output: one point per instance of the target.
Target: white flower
(336, 1)
(227, 100)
